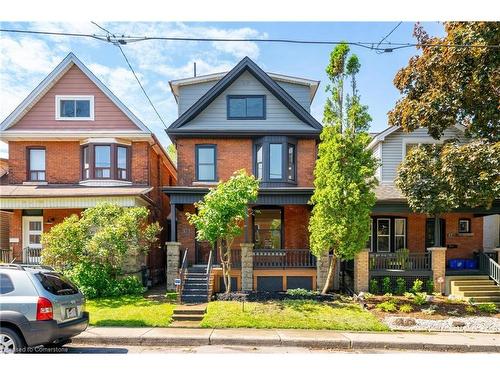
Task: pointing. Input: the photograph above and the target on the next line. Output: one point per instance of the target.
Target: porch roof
(278, 195)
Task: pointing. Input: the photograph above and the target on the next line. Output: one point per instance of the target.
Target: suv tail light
(44, 309)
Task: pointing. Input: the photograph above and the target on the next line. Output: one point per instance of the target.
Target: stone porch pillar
(322, 264)
(438, 265)
(362, 271)
(173, 255)
(246, 266)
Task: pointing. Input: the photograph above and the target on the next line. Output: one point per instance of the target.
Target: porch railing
(488, 266)
(32, 255)
(5, 256)
(400, 262)
(283, 258)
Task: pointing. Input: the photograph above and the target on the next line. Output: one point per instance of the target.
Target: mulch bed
(445, 308)
(273, 296)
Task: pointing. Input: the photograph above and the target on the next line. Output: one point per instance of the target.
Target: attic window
(246, 107)
(75, 107)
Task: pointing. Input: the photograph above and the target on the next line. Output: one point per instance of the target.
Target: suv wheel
(9, 341)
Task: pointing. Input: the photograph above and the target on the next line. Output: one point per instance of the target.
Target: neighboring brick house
(462, 233)
(260, 122)
(72, 144)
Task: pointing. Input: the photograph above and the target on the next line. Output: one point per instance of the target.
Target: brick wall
(5, 219)
(296, 221)
(306, 159)
(140, 162)
(62, 161)
(186, 232)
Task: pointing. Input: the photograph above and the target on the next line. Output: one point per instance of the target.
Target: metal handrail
(490, 267)
(5, 255)
(182, 272)
(32, 255)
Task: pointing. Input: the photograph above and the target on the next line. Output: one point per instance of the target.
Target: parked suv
(38, 306)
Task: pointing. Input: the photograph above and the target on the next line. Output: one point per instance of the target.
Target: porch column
(497, 249)
(173, 254)
(322, 264)
(246, 267)
(362, 271)
(173, 223)
(438, 265)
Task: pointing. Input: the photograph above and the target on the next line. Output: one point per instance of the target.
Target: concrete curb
(320, 339)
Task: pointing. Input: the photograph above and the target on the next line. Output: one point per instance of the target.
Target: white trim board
(69, 202)
(59, 98)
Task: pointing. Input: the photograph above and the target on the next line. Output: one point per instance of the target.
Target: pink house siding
(107, 116)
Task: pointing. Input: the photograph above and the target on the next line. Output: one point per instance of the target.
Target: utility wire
(376, 46)
(385, 37)
(117, 43)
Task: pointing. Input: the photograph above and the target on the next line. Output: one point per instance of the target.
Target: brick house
(72, 143)
(261, 122)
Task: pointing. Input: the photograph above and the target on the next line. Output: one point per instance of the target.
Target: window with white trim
(75, 107)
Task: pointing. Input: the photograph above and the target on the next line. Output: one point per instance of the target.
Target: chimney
(194, 68)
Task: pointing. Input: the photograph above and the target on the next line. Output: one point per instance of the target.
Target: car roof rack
(11, 265)
(37, 267)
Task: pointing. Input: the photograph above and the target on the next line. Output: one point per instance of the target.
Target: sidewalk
(452, 342)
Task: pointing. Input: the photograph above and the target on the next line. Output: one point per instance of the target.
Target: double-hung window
(383, 235)
(102, 160)
(399, 233)
(36, 164)
(246, 107)
(259, 162)
(121, 162)
(275, 161)
(205, 163)
(74, 107)
(291, 162)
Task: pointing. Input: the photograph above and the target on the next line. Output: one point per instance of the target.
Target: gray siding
(377, 152)
(299, 92)
(190, 94)
(278, 117)
(392, 148)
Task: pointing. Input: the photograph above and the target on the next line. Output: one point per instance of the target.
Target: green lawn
(291, 314)
(129, 311)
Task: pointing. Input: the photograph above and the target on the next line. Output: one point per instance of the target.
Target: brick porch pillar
(173, 254)
(438, 264)
(322, 264)
(362, 271)
(246, 267)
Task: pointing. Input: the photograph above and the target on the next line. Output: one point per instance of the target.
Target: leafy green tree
(172, 153)
(344, 175)
(440, 178)
(105, 234)
(442, 87)
(221, 213)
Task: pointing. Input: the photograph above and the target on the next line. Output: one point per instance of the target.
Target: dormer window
(75, 107)
(246, 107)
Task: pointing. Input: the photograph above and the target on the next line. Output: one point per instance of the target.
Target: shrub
(299, 292)
(469, 309)
(386, 285)
(373, 286)
(408, 295)
(387, 306)
(420, 299)
(406, 308)
(400, 286)
(489, 308)
(429, 286)
(98, 281)
(417, 286)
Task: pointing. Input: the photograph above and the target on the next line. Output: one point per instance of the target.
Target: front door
(32, 238)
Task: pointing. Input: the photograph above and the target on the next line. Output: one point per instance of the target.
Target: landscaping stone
(406, 322)
(470, 324)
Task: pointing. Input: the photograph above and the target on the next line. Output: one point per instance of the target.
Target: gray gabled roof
(52, 78)
(246, 64)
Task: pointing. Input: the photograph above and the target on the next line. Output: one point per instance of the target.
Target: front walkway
(452, 342)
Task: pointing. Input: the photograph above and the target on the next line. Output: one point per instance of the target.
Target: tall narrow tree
(344, 175)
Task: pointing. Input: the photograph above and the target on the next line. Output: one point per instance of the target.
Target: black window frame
(282, 218)
(469, 224)
(196, 161)
(392, 233)
(264, 109)
(29, 171)
(266, 142)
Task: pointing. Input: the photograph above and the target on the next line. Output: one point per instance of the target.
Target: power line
(376, 46)
(385, 37)
(117, 43)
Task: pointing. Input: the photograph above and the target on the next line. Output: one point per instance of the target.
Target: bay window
(105, 162)
(275, 160)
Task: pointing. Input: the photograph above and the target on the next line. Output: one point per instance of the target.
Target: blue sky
(25, 60)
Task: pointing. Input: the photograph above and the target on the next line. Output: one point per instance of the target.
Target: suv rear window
(6, 285)
(56, 284)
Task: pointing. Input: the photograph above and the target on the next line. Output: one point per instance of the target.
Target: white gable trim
(380, 137)
(51, 79)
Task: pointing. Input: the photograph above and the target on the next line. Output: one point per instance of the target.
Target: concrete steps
(195, 288)
(477, 289)
(188, 315)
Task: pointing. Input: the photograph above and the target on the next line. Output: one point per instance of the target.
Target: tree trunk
(331, 274)
(223, 263)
